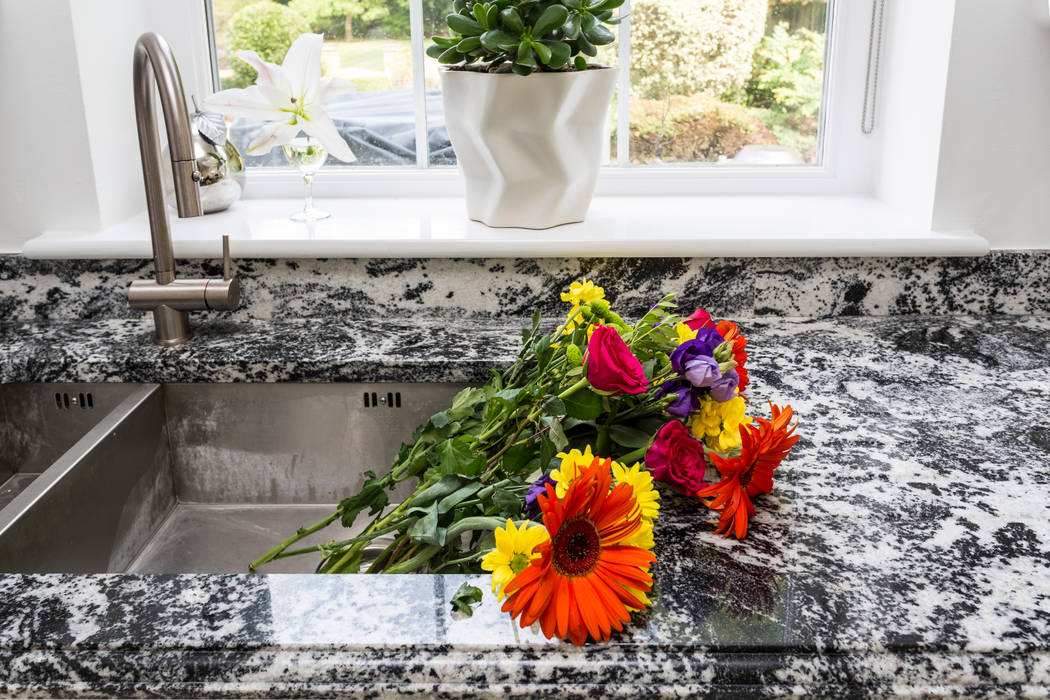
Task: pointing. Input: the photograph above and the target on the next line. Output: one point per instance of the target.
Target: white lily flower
(291, 96)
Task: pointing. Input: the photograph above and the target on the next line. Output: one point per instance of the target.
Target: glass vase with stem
(308, 157)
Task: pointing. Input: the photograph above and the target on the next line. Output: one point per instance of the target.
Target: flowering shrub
(545, 475)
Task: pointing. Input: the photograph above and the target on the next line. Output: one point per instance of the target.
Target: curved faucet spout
(153, 62)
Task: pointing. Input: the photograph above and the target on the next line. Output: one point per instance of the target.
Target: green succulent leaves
(525, 36)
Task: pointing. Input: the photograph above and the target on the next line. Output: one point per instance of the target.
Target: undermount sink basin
(183, 478)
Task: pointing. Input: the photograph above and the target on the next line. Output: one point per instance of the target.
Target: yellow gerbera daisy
(717, 424)
(642, 482)
(513, 552)
(571, 464)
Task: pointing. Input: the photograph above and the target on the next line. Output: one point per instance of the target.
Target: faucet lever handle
(226, 273)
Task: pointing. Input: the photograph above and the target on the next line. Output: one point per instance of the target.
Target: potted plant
(524, 108)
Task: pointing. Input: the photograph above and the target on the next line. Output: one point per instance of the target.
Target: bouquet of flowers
(545, 475)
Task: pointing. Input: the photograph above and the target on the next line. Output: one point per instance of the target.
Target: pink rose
(677, 458)
(611, 366)
(699, 319)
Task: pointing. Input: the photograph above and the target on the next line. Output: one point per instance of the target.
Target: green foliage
(465, 598)
(691, 129)
(266, 28)
(685, 47)
(787, 72)
(525, 36)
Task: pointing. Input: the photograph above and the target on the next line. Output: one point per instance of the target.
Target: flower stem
(303, 532)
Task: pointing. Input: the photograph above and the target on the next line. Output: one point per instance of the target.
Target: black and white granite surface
(905, 548)
(1003, 282)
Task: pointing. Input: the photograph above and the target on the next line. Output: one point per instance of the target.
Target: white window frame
(847, 155)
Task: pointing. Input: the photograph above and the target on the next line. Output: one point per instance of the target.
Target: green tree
(265, 27)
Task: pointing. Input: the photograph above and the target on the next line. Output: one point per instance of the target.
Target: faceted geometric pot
(529, 146)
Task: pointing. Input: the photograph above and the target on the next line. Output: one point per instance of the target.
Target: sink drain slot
(392, 399)
(65, 401)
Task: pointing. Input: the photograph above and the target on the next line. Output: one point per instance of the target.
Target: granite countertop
(905, 547)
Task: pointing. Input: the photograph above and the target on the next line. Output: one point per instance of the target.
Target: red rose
(611, 366)
(699, 319)
(677, 458)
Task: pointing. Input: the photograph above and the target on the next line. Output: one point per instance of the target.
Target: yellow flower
(717, 424)
(513, 552)
(642, 482)
(583, 293)
(642, 538)
(685, 333)
(571, 464)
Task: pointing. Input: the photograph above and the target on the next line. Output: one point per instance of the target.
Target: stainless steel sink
(188, 477)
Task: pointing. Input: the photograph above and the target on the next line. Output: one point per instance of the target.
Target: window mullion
(419, 88)
(623, 90)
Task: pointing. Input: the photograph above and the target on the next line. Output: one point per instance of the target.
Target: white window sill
(616, 226)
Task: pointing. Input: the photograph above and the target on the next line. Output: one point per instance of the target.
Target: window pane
(434, 13)
(717, 81)
(366, 41)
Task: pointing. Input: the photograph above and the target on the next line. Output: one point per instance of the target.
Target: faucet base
(172, 326)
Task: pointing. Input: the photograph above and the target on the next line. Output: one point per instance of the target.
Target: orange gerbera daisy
(730, 332)
(579, 585)
(764, 445)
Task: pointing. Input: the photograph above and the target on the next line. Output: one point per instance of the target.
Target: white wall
(46, 179)
(994, 174)
(69, 64)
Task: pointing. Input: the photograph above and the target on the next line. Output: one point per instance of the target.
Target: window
(736, 91)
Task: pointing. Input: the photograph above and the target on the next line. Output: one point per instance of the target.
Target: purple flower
(703, 345)
(724, 389)
(686, 399)
(532, 505)
(702, 371)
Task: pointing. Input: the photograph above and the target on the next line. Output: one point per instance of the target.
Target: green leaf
(440, 420)
(372, 496)
(512, 21)
(518, 457)
(579, 63)
(455, 457)
(458, 496)
(584, 404)
(495, 40)
(559, 53)
(491, 15)
(554, 406)
(464, 25)
(450, 56)
(571, 29)
(572, 4)
(509, 397)
(439, 489)
(599, 35)
(508, 502)
(479, 13)
(465, 597)
(446, 41)
(556, 433)
(542, 51)
(628, 437)
(552, 18)
(425, 529)
(469, 44)
(435, 51)
(603, 5)
(464, 402)
(547, 452)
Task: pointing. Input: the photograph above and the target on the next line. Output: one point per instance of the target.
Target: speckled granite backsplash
(1003, 282)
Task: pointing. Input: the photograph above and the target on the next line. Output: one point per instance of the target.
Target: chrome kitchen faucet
(171, 299)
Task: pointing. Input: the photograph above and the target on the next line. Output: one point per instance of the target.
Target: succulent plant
(525, 36)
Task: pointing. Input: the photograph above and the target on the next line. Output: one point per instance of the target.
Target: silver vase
(218, 161)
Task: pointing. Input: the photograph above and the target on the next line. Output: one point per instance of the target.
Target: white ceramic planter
(529, 146)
